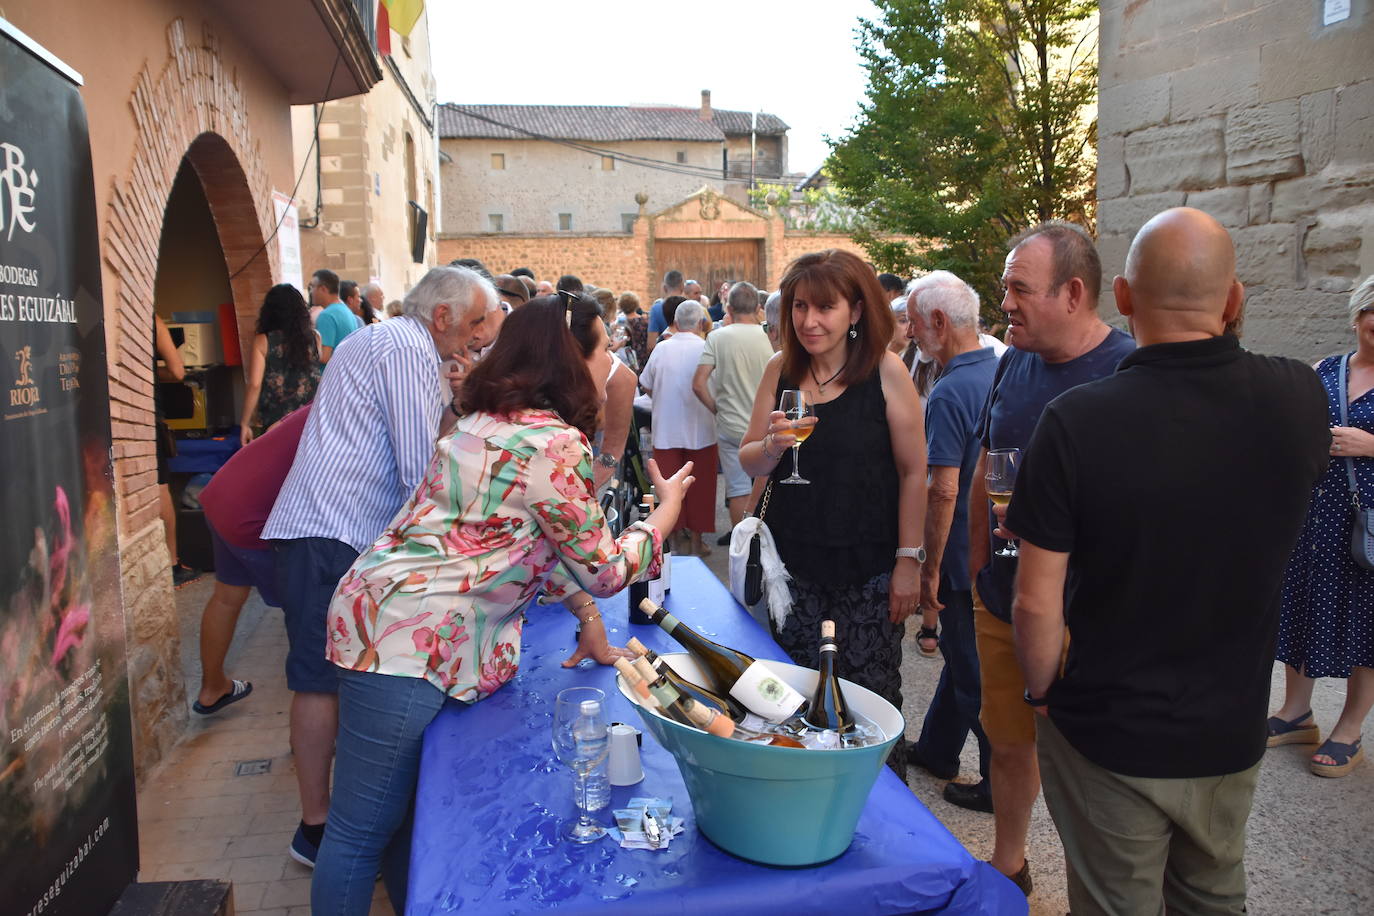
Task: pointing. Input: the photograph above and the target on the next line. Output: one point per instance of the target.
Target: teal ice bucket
(776, 805)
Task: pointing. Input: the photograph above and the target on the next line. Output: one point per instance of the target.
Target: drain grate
(252, 767)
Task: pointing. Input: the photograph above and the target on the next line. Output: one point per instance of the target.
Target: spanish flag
(403, 14)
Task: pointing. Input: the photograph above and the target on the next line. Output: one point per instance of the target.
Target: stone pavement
(1310, 846)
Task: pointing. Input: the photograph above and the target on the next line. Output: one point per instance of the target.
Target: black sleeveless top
(841, 529)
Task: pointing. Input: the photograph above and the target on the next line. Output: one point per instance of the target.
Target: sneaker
(724, 539)
(183, 574)
(301, 849)
(975, 796)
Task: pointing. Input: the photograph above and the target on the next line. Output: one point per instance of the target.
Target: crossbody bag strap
(763, 503)
(1349, 462)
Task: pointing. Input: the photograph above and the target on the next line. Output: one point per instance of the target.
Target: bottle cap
(645, 670)
(627, 671)
(590, 708)
(637, 647)
(827, 629)
(708, 720)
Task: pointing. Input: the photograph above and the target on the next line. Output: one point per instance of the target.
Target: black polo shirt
(1178, 486)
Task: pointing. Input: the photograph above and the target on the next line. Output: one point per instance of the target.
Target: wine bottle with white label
(696, 691)
(828, 708)
(731, 671)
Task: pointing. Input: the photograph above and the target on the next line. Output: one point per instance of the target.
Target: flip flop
(1290, 732)
(928, 633)
(1345, 755)
(241, 690)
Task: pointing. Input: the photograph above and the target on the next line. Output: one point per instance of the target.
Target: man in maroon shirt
(237, 501)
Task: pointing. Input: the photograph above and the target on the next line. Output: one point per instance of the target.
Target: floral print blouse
(504, 511)
(284, 387)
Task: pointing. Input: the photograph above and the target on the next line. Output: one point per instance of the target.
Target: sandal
(1345, 755)
(931, 634)
(1290, 732)
(240, 690)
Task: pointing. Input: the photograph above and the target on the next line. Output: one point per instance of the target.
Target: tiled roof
(594, 123)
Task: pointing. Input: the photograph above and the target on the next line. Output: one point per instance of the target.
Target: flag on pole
(383, 30)
(404, 14)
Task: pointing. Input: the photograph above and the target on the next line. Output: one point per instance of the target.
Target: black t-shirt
(1023, 386)
(1178, 486)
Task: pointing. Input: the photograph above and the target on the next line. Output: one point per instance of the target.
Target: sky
(796, 59)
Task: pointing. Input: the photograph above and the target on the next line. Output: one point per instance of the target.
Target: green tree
(979, 121)
(822, 209)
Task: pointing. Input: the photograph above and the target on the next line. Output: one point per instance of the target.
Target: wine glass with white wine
(1002, 465)
(798, 407)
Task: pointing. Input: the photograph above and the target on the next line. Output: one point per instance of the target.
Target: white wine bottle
(696, 691)
(732, 672)
(635, 682)
(683, 709)
(667, 574)
(828, 708)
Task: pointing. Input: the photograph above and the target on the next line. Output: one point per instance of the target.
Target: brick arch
(192, 109)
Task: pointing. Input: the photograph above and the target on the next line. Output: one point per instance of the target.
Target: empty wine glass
(797, 405)
(1001, 466)
(581, 739)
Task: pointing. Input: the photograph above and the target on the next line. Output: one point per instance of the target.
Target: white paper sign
(288, 240)
(1334, 11)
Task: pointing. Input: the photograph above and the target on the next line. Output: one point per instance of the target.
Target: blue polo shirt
(1023, 386)
(657, 322)
(952, 442)
(335, 323)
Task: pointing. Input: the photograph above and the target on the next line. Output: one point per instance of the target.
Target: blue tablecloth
(492, 800)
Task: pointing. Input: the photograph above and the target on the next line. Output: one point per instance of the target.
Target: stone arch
(193, 109)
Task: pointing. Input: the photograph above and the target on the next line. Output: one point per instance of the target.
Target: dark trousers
(953, 711)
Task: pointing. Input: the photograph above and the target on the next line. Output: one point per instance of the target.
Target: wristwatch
(607, 460)
(916, 553)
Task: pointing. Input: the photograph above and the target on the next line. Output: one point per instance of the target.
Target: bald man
(1167, 498)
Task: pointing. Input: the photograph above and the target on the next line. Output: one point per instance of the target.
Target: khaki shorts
(1005, 716)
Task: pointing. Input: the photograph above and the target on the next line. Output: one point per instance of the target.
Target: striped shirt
(369, 438)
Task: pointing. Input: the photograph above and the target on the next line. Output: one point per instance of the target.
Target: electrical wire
(628, 158)
(328, 87)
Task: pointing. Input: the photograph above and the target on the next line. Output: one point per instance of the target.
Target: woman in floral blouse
(432, 611)
(284, 363)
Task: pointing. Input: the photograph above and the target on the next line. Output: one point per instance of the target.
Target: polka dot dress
(1327, 623)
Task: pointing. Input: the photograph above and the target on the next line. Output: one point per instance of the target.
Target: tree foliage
(979, 121)
(821, 209)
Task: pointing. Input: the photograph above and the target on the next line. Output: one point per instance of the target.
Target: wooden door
(710, 262)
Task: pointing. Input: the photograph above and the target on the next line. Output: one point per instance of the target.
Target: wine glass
(797, 405)
(1002, 464)
(581, 739)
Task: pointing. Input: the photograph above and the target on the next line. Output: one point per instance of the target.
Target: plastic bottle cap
(590, 707)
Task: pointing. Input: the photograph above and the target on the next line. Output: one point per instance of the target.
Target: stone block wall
(617, 262)
(1259, 114)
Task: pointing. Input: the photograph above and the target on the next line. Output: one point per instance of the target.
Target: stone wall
(614, 261)
(1255, 112)
(794, 245)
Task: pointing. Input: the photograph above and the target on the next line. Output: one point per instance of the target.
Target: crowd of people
(1108, 634)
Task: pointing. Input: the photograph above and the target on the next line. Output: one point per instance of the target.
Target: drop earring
(853, 331)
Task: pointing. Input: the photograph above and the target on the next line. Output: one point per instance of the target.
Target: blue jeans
(954, 708)
(376, 765)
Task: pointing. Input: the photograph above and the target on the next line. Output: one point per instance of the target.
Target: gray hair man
(364, 450)
(942, 319)
(726, 380)
(372, 292)
(1052, 277)
(772, 315)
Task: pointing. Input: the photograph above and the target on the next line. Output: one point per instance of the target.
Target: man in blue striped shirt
(380, 406)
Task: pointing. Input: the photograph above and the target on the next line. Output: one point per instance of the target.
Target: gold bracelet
(583, 621)
(588, 603)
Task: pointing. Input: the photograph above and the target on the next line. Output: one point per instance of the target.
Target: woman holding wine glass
(850, 528)
(431, 613)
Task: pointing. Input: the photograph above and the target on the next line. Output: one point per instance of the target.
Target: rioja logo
(24, 393)
(16, 191)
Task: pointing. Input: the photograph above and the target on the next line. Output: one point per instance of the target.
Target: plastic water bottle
(598, 787)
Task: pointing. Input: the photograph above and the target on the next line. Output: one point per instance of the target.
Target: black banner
(68, 827)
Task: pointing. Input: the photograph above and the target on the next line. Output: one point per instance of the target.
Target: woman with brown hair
(852, 538)
(431, 613)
